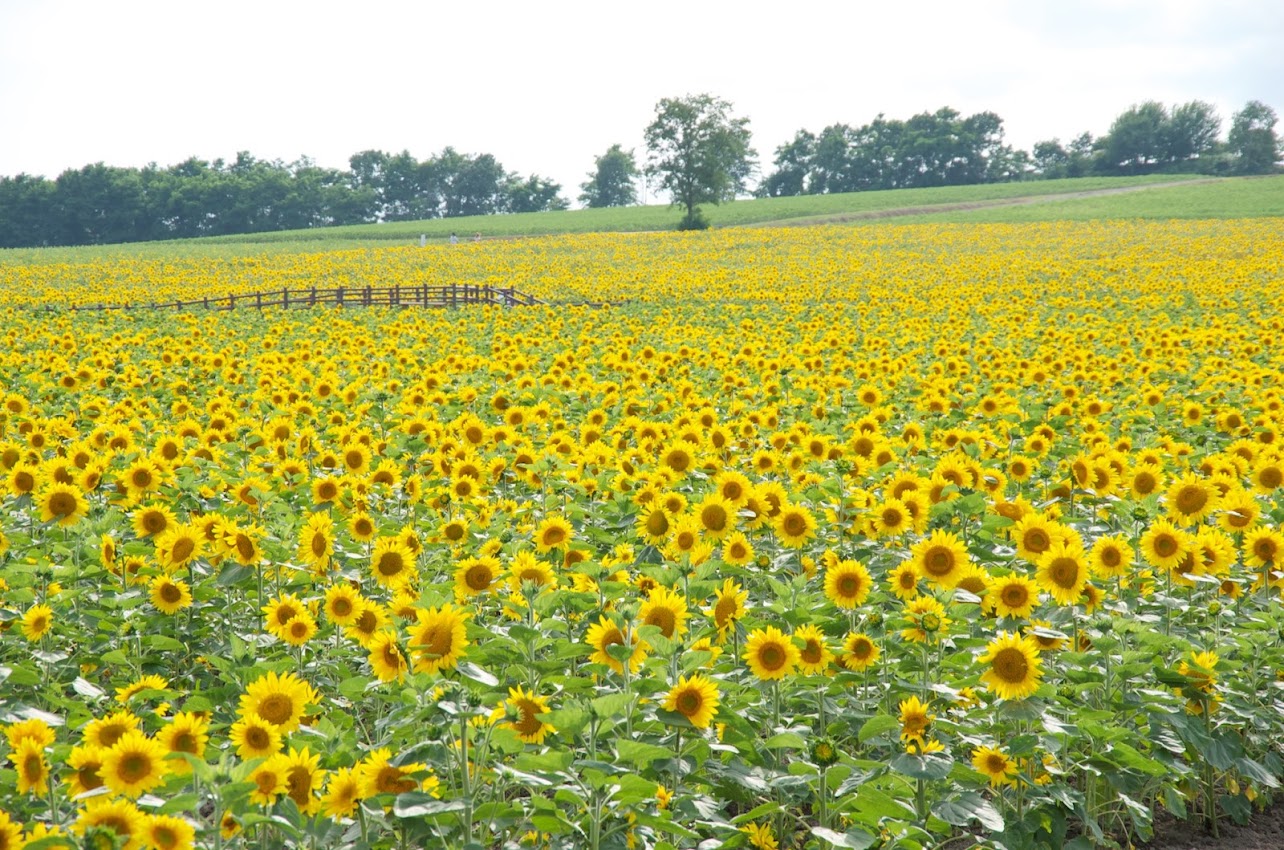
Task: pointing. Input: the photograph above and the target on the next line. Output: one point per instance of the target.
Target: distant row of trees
(697, 150)
(100, 204)
(943, 148)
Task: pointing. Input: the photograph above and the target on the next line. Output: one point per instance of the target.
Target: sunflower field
(895, 537)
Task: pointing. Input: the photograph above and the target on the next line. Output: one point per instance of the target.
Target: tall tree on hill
(1191, 131)
(612, 182)
(699, 152)
(1253, 141)
(1136, 144)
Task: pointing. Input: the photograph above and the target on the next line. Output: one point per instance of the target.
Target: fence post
(258, 300)
(206, 299)
(338, 296)
(397, 293)
(285, 297)
(313, 301)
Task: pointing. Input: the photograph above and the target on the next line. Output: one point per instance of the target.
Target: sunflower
(167, 832)
(1145, 479)
(369, 618)
(134, 765)
(392, 564)
(37, 621)
(734, 487)
(1013, 596)
(342, 602)
(342, 794)
(1190, 500)
(437, 640)
(1263, 547)
(361, 527)
(86, 763)
(890, 518)
(525, 708)
(717, 516)
(677, 458)
(1014, 666)
(1201, 669)
(761, 836)
(695, 698)
(1063, 571)
(10, 833)
(728, 606)
(1164, 545)
(255, 738)
(279, 700)
(119, 816)
(604, 634)
(152, 520)
(185, 733)
(269, 782)
(914, 721)
(847, 584)
(149, 682)
(1034, 535)
(303, 778)
(33, 729)
(654, 524)
(326, 490)
(454, 531)
(475, 576)
(813, 654)
(1238, 511)
(1268, 476)
(666, 610)
(859, 651)
(770, 654)
(995, 764)
(527, 571)
(106, 731)
(941, 559)
(22, 480)
(926, 619)
(280, 611)
(33, 771)
(903, 580)
(1110, 557)
(300, 629)
(553, 533)
(378, 775)
(794, 525)
(141, 477)
(62, 503)
(385, 657)
(178, 546)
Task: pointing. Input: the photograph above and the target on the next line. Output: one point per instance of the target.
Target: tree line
(698, 150)
(101, 204)
(944, 148)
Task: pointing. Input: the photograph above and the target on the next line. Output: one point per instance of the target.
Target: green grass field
(1241, 197)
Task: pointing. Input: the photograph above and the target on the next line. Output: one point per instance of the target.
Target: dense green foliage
(99, 204)
(699, 153)
(612, 182)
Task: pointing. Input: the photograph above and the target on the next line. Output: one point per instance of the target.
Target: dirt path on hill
(964, 206)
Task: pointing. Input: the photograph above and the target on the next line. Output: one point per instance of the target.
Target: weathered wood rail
(422, 295)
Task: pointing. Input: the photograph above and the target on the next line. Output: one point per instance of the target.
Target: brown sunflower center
(276, 709)
(1011, 665)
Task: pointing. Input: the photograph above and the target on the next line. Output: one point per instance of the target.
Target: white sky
(547, 86)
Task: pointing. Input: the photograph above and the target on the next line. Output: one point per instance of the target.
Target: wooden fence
(422, 295)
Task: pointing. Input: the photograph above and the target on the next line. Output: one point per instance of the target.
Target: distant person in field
(477, 236)
(454, 239)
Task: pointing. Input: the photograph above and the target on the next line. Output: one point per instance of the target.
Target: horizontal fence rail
(422, 295)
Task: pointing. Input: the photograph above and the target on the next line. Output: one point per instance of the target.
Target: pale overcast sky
(547, 86)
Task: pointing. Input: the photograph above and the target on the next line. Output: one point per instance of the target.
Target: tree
(1252, 139)
(699, 153)
(533, 194)
(793, 163)
(1135, 144)
(1191, 131)
(612, 182)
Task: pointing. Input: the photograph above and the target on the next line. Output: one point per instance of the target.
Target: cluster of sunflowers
(846, 537)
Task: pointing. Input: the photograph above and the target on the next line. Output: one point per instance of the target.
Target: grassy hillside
(1241, 197)
(662, 217)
